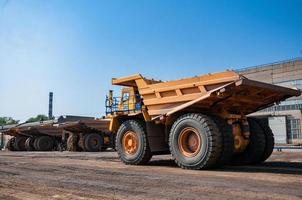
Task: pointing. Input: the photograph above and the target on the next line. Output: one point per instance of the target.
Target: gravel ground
(79, 175)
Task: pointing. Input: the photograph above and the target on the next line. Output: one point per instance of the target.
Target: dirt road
(67, 175)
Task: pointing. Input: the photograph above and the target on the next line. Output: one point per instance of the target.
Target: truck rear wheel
(72, 143)
(44, 143)
(195, 142)
(29, 144)
(19, 144)
(132, 144)
(269, 139)
(255, 149)
(93, 142)
(10, 144)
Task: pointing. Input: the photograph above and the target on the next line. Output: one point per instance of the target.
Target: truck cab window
(126, 96)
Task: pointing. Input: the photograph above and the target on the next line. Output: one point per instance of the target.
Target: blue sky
(75, 47)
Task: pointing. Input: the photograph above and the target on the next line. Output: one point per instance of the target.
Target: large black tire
(19, 144)
(142, 154)
(227, 139)
(93, 142)
(44, 143)
(72, 143)
(269, 139)
(29, 144)
(10, 144)
(210, 144)
(255, 149)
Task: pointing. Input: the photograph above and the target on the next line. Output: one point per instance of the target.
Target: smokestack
(50, 105)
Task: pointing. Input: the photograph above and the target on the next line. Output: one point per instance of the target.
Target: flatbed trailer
(202, 121)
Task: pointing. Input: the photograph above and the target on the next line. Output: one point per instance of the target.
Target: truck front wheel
(131, 143)
(195, 142)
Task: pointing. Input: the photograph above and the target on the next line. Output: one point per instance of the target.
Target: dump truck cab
(202, 121)
(128, 102)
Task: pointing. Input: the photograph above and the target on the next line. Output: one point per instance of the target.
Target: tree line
(10, 121)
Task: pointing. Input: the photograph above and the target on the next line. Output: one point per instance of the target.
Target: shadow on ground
(267, 167)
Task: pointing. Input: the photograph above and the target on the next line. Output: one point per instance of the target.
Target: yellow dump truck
(202, 121)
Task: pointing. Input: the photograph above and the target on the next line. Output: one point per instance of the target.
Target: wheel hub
(130, 142)
(189, 142)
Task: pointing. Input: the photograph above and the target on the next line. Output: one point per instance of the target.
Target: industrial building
(285, 118)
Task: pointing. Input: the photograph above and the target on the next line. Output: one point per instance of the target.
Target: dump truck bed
(220, 92)
(37, 128)
(87, 125)
(239, 97)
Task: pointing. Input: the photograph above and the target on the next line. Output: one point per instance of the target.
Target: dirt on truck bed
(81, 175)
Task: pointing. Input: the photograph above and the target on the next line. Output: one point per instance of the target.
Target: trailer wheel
(132, 144)
(44, 143)
(195, 142)
(19, 144)
(269, 139)
(93, 142)
(10, 144)
(255, 149)
(227, 139)
(29, 144)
